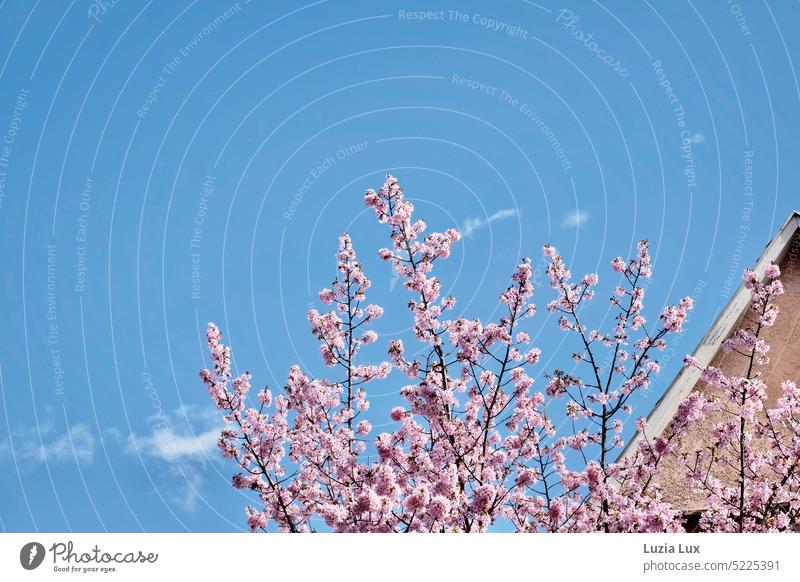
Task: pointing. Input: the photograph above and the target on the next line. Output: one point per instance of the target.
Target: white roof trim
(723, 325)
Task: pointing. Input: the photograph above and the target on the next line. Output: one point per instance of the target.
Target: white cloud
(33, 446)
(188, 433)
(473, 224)
(169, 445)
(575, 219)
(697, 138)
(177, 436)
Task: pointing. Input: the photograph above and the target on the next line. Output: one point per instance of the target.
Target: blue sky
(166, 164)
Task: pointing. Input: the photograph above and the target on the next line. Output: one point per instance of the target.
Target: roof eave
(683, 383)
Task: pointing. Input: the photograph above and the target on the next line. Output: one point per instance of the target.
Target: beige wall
(784, 363)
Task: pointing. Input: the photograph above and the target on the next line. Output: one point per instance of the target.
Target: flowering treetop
(474, 445)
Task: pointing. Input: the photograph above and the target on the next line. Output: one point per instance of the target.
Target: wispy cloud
(697, 138)
(575, 219)
(169, 445)
(473, 224)
(189, 432)
(32, 446)
(191, 484)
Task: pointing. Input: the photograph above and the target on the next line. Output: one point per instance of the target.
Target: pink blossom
(374, 311)
(690, 362)
(475, 443)
(533, 355)
(327, 296)
(772, 271)
(255, 519)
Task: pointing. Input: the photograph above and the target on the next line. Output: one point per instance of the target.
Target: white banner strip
(333, 557)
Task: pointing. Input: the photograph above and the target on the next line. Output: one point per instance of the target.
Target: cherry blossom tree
(474, 446)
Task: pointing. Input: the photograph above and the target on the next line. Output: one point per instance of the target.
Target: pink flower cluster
(474, 444)
(750, 473)
(300, 450)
